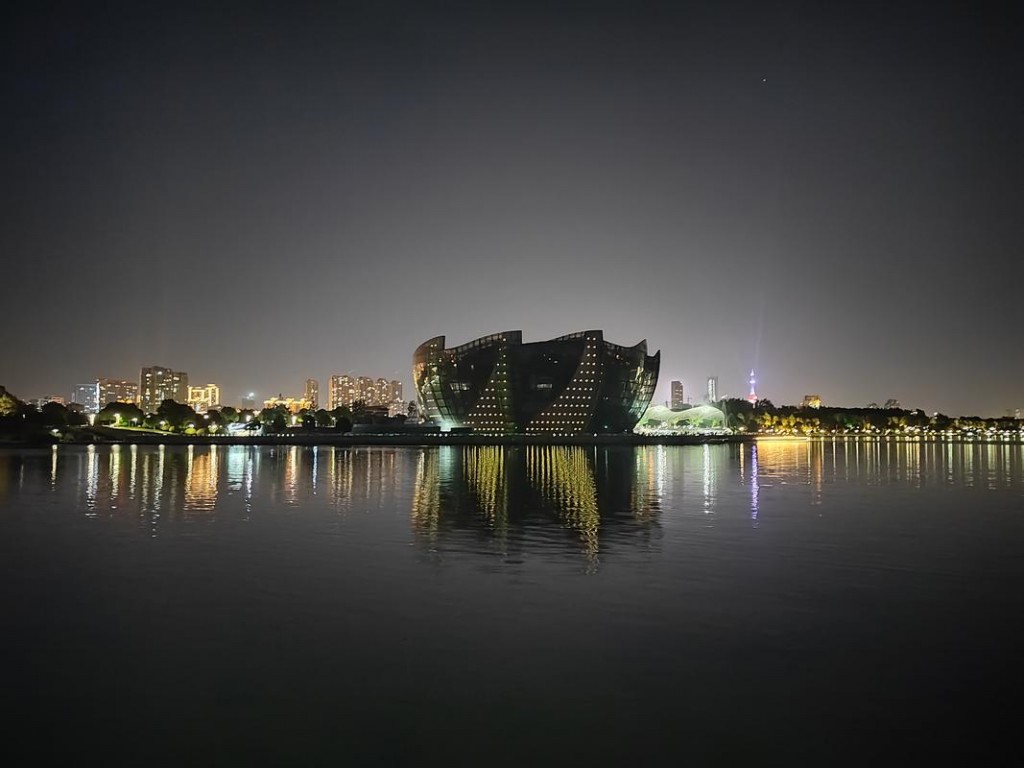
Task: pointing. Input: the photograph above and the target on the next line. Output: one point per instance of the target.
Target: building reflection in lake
(507, 499)
(519, 498)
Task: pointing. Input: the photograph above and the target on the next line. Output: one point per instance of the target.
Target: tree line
(21, 421)
(765, 417)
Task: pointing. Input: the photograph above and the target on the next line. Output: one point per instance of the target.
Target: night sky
(831, 194)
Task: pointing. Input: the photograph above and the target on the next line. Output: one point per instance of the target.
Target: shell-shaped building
(575, 384)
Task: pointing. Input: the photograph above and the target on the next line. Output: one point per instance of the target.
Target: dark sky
(832, 194)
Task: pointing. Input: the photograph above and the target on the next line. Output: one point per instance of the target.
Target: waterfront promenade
(109, 435)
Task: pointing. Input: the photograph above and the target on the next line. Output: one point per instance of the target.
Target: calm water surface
(778, 603)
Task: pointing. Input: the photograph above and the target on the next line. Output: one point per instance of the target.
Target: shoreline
(327, 438)
(435, 440)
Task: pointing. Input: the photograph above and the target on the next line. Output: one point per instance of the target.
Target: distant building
(367, 390)
(575, 384)
(345, 390)
(811, 401)
(396, 402)
(341, 391)
(312, 393)
(678, 400)
(202, 399)
(752, 396)
(711, 394)
(116, 391)
(39, 402)
(87, 396)
(292, 404)
(157, 384)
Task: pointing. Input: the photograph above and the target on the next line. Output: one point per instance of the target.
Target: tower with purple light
(752, 397)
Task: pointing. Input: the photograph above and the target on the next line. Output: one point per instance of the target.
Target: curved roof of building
(670, 417)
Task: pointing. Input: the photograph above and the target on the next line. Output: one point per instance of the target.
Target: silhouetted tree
(274, 420)
(214, 419)
(177, 415)
(120, 414)
(55, 415)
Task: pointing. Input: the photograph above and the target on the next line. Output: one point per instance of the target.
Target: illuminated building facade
(347, 390)
(312, 393)
(752, 396)
(678, 399)
(812, 401)
(571, 385)
(116, 391)
(341, 392)
(291, 404)
(202, 399)
(711, 394)
(87, 396)
(157, 384)
(39, 402)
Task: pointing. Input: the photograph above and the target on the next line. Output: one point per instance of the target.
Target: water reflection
(819, 464)
(508, 500)
(513, 499)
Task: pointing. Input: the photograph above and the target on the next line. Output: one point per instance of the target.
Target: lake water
(784, 602)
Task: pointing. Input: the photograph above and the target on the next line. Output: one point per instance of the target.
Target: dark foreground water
(784, 603)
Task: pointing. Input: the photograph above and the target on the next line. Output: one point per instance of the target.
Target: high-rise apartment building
(678, 400)
(202, 399)
(382, 392)
(116, 391)
(711, 395)
(312, 393)
(341, 392)
(87, 396)
(157, 384)
(367, 390)
(345, 390)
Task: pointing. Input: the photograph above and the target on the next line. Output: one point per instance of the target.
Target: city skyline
(827, 196)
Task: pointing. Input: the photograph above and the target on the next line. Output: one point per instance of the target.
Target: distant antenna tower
(752, 397)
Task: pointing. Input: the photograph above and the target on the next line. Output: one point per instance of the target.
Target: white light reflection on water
(133, 471)
(494, 487)
(709, 480)
(91, 479)
(754, 487)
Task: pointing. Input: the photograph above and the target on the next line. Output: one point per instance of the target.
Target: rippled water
(777, 602)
